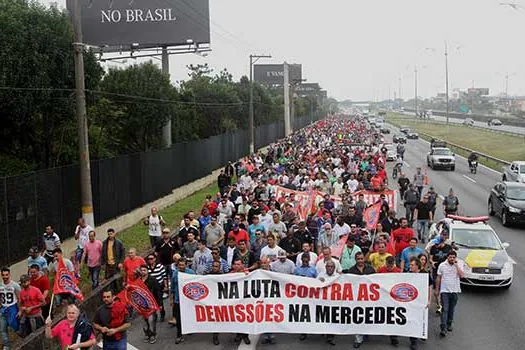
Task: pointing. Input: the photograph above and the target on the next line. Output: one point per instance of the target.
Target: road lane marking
(441, 197)
(470, 179)
(407, 165)
(254, 339)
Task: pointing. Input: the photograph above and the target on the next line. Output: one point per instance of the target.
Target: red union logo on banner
(195, 291)
(403, 292)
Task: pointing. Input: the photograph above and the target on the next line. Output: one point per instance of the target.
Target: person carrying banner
(112, 320)
(155, 288)
(328, 273)
(305, 270)
(74, 332)
(360, 268)
(215, 270)
(175, 297)
(417, 267)
(65, 288)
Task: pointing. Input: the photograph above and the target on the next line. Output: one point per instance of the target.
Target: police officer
(411, 198)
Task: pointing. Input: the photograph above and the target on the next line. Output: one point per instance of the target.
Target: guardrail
(426, 121)
(468, 150)
(488, 157)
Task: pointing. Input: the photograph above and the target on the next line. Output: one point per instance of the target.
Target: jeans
(409, 211)
(3, 329)
(422, 227)
(176, 315)
(116, 344)
(420, 190)
(449, 302)
(94, 274)
(151, 325)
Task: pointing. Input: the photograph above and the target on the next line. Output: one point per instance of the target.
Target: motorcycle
(396, 170)
(473, 166)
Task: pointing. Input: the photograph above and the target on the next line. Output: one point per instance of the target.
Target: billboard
(308, 89)
(148, 23)
(273, 74)
(478, 92)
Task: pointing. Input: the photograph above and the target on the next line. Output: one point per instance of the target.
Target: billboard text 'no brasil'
(149, 23)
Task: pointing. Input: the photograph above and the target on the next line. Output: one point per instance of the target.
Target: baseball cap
(235, 226)
(281, 254)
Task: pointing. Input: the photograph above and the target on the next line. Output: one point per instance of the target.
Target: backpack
(83, 328)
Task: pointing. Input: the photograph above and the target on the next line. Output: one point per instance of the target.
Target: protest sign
(269, 302)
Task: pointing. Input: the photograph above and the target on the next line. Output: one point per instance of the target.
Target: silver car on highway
(441, 157)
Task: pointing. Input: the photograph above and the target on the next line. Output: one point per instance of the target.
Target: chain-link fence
(29, 202)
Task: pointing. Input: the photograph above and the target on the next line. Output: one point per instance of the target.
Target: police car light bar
(468, 219)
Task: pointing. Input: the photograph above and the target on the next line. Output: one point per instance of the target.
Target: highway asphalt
(485, 319)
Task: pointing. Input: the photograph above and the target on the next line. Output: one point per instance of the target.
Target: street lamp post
(446, 77)
(251, 119)
(415, 90)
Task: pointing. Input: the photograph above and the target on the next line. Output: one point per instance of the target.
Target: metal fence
(31, 201)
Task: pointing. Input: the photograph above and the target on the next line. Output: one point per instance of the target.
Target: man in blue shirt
(36, 259)
(204, 220)
(411, 251)
(305, 269)
(256, 225)
(175, 298)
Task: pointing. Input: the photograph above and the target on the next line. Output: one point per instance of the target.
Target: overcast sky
(358, 49)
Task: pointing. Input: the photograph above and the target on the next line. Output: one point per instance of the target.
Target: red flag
(65, 281)
(391, 246)
(371, 216)
(139, 297)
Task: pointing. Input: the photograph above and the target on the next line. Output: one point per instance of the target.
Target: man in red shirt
(131, 264)
(402, 237)
(30, 306)
(390, 266)
(238, 234)
(40, 281)
(381, 172)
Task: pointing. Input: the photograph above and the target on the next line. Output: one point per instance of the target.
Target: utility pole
(287, 126)
(415, 90)
(83, 140)
(166, 128)
(399, 88)
(251, 118)
(507, 86)
(446, 78)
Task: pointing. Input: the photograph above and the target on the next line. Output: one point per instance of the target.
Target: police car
(484, 257)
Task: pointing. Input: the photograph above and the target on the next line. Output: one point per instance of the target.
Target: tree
(142, 99)
(36, 84)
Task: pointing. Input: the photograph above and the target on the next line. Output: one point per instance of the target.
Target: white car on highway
(483, 255)
(514, 172)
(391, 153)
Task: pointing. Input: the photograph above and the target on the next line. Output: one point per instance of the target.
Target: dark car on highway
(507, 200)
(385, 130)
(399, 138)
(412, 135)
(404, 129)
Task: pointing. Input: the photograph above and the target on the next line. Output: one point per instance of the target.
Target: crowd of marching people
(257, 220)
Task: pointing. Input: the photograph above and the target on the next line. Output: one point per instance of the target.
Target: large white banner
(269, 302)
